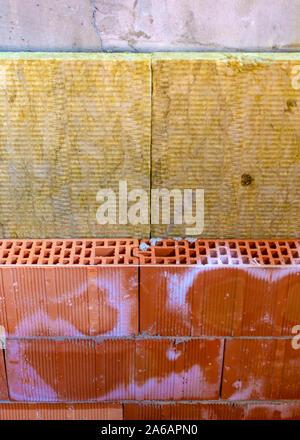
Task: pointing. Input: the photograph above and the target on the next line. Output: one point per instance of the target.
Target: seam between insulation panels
(151, 140)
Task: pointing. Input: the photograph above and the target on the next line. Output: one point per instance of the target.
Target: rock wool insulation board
(73, 124)
(230, 124)
(70, 125)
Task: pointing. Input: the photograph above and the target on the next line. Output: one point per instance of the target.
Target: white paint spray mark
(178, 285)
(172, 354)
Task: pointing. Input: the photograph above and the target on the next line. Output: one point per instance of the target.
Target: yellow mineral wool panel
(230, 124)
(70, 125)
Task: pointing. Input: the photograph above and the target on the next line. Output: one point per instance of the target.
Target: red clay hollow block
(45, 370)
(61, 411)
(272, 411)
(68, 288)
(212, 411)
(183, 411)
(261, 369)
(3, 382)
(168, 370)
(219, 288)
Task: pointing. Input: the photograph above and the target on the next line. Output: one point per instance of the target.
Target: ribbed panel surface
(67, 299)
(116, 361)
(187, 301)
(218, 301)
(70, 301)
(260, 369)
(142, 411)
(61, 411)
(213, 411)
(183, 411)
(79, 370)
(32, 370)
(272, 411)
(168, 370)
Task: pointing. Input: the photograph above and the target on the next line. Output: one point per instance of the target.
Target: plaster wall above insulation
(149, 25)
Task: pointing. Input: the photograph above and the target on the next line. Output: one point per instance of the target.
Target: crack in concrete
(95, 9)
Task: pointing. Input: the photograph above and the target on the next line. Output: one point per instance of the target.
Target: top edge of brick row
(68, 252)
(108, 251)
(256, 253)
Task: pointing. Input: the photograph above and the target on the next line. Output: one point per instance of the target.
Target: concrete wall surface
(149, 25)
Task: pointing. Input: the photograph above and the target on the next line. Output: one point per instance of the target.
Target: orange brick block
(187, 301)
(219, 288)
(272, 411)
(168, 370)
(212, 411)
(183, 411)
(257, 369)
(126, 369)
(70, 370)
(61, 411)
(71, 288)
